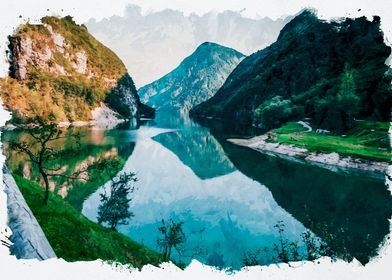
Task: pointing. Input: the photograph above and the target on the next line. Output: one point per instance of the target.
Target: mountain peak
(308, 66)
(196, 79)
(306, 18)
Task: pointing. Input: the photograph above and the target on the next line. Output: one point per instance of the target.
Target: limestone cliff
(60, 72)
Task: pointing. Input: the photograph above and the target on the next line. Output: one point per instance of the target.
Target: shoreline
(103, 125)
(332, 161)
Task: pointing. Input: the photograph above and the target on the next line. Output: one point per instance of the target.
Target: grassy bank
(367, 140)
(75, 238)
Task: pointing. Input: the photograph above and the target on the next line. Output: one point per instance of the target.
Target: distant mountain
(153, 44)
(331, 72)
(60, 72)
(195, 80)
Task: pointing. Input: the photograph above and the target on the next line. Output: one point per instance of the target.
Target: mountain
(331, 72)
(195, 80)
(60, 72)
(152, 44)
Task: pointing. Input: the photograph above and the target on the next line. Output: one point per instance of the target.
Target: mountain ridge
(194, 80)
(315, 69)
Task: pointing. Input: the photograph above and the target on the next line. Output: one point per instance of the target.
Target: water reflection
(199, 150)
(351, 211)
(93, 143)
(223, 216)
(229, 197)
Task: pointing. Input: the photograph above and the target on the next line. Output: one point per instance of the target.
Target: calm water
(230, 198)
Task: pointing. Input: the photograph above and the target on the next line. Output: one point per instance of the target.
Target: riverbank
(102, 117)
(360, 149)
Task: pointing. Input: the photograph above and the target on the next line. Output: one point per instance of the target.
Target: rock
(104, 117)
(29, 241)
(80, 65)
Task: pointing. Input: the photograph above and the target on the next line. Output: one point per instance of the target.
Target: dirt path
(305, 125)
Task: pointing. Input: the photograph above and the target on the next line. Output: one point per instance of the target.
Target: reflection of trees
(114, 207)
(172, 237)
(307, 247)
(42, 154)
(349, 212)
(199, 150)
(73, 158)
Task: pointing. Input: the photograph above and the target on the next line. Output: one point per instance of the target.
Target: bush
(273, 112)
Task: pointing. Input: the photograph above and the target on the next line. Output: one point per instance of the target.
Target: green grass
(80, 191)
(367, 140)
(75, 238)
(290, 127)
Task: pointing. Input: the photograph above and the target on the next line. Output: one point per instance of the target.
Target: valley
(232, 160)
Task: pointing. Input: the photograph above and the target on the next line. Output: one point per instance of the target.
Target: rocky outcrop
(61, 73)
(28, 239)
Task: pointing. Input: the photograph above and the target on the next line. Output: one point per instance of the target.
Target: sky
(83, 10)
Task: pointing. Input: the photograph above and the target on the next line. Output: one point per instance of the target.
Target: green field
(367, 140)
(75, 238)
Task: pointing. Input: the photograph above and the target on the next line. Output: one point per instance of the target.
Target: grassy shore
(75, 238)
(367, 140)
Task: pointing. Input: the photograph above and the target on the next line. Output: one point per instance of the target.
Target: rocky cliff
(196, 79)
(28, 239)
(60, 72)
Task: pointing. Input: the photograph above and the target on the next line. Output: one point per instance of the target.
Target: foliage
(285, 251)
(42, 135)
(75, 238)
(61, 95)
(99, 172)
(273, 112)
(114, 207)
(332, 72)
(118, 101)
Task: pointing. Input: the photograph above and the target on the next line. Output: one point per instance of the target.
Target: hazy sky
(82, 10)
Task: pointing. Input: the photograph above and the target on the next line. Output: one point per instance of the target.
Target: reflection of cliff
(199, 150)
(93, 146)
(349, 212)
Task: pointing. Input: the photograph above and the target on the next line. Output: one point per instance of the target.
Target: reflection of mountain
(324, 201)
(199, 150)
(225, 215)
(94, 144)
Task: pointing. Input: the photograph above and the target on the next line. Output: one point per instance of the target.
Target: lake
(236, 204)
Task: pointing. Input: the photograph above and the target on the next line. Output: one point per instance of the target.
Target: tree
(172, 237)
(273, 113)
(114, 207)
(41, 153)
(347, 100)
